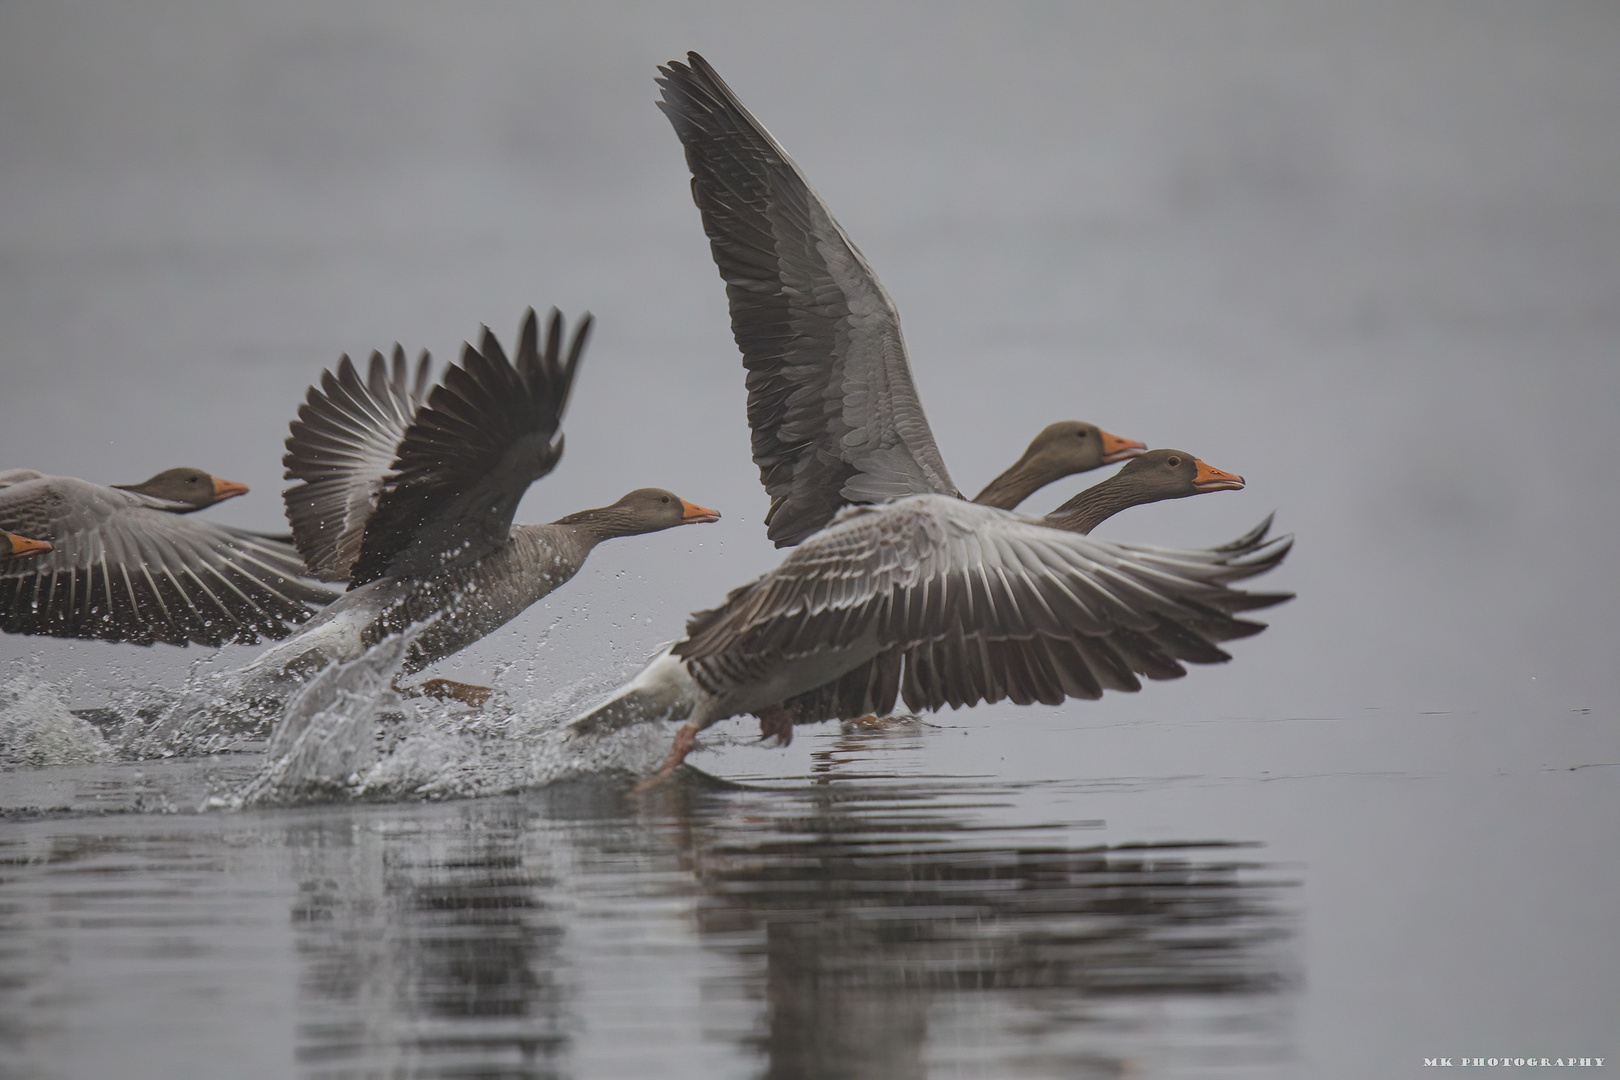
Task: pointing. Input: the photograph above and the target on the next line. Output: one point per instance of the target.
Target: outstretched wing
(341, 449)
(831, 403)
(487, 432)
(962, 603)
(124, 570)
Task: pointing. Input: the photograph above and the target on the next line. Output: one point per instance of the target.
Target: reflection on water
(437, 952)
(860, 931)
(864, 947)
(899, 941)
(850, 928)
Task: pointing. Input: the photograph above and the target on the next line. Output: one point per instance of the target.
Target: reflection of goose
(888, 927)
(127, 566)
(410, 496)
(441, 957)
(851, 930)
(834, 413)
(942, 602)
(13, 546)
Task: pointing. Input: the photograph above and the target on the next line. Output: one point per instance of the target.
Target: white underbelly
(336, 635)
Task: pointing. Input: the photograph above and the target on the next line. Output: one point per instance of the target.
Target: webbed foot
(685, 743)
(447, 690)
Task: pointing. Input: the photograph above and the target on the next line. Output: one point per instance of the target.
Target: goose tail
(663, 691)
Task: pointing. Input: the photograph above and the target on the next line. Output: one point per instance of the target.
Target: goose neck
(602, 523)
(1095, 505)
(1015, 485)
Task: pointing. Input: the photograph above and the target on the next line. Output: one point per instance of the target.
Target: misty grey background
(1366, 255)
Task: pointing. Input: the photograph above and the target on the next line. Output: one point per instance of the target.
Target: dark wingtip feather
(576, 349)
(1256, 601)
(528, 354)
(1248, 562)
(1252, 538)
(452, 455)
(424, 375)
(489, 348)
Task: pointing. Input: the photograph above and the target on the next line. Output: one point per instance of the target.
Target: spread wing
(967, 604)
(124, 570)
(341, 450)
(487, 432)
(831, 403)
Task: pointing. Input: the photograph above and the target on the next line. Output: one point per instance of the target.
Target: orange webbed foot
(685, 743)
(448, 690)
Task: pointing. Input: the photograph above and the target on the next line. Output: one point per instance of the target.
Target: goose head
(1151, 477)
(1074, 446)
(1061, 449)
(1174, 474)
(189, 489)
(644, 510)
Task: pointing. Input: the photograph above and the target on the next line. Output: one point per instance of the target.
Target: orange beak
(692, 514)
(226, 489)
(22, 547)
(1209, 478)
(1116, 449)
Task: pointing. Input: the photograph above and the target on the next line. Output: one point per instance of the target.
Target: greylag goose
(127, 566)
(179, 491)
(409, 496)
(834, 413)
(186, 490)
(13, 546)
(943, 602)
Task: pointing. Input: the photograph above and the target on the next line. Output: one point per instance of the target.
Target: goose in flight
(408, 495)
(937, 601)
(834, 412)
(126, 564)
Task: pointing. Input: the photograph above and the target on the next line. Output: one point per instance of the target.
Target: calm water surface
(842, 925)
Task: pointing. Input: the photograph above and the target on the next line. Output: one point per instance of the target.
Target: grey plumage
(909, 591)
(831, 402)
(409, 494)
(941, 602)
(424, 529)
(487, 431)
(126, 568)
(341, 450)
(450, 610)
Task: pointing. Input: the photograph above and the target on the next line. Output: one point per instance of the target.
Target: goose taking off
(940, 602)
(409, 496)
(126, 566)
(834, 413)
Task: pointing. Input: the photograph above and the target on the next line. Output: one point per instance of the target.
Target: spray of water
(36, 727)
(348, 734)
(344, 732)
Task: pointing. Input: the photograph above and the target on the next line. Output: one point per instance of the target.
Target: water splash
(343, 733)
(348, 735)
(212, 712)
(37, 728)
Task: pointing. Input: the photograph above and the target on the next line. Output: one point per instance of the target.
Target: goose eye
(664, 499)
(1173, 461)
(1080, 434)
